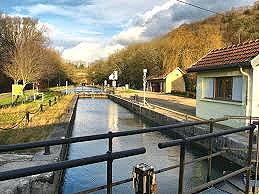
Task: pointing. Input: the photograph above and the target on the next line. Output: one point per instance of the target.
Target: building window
(223, 88)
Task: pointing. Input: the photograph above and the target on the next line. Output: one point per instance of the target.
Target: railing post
(249, 158)
(109, 166)
(181, 171)
(210, 152)
(257, 156)
(27, 115)
(41, 107)
(47, 150)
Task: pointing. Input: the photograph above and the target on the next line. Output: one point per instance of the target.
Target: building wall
(255, 92)
(175, 81)
(209, 108)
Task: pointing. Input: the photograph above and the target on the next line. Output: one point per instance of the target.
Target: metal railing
(185, 141)
(109, 156)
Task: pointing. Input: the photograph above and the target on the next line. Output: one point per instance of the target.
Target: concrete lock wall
(42, 183)
(230, 141)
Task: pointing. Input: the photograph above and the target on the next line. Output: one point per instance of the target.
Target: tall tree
(24, 48)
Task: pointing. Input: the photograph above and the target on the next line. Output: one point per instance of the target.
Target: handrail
(13, 147)
(12, 174)
(202, 137)
(156, 172)
(110, 156)
(184, 141)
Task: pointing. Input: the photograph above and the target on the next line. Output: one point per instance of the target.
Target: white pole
(66, 86)
(144, 85)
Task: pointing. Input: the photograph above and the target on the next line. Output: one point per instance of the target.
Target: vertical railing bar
(210, 152)
(181, 170)
(109, 165)
(257, 156)
(249, 158)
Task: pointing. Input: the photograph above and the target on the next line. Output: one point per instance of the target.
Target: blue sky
(91, 29)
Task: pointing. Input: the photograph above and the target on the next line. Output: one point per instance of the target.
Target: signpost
(114, 77)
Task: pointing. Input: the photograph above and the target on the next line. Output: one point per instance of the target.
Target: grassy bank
(41, 122)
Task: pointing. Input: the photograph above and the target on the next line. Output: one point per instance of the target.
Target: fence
(109, 156)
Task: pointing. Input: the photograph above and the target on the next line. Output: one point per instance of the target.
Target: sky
(88, 30)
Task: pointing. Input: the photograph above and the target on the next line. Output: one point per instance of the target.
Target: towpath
(177, 103)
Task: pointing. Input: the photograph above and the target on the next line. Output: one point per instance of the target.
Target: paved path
(177, 103)
(5, 95)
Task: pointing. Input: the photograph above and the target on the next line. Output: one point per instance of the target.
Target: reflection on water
(102, 115)
(113, 117)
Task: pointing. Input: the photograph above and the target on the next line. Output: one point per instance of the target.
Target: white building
(168, 82)
(228, 83)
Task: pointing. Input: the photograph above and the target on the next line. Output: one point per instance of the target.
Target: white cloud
(141, 27)
(89, 51)
(163, 18)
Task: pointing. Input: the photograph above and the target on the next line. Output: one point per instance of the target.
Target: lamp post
(144, 85)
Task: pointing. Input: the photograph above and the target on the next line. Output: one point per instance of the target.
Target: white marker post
(144, 85)
(66, 86)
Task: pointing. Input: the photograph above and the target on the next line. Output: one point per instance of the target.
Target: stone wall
(42, 183)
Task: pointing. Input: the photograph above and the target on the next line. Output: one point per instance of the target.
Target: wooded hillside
(181, 47)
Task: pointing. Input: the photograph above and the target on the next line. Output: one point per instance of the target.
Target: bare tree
(25, 45)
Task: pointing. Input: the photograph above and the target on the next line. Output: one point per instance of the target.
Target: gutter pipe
(249, 93)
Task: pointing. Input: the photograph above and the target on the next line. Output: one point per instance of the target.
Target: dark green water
(96, 116)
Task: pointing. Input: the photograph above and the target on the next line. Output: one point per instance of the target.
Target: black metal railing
(109, 156)
(185, 141)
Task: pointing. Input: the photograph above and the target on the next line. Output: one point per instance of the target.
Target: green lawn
(60, 88)
(6, 99)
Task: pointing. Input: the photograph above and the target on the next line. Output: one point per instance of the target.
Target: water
(96, 116)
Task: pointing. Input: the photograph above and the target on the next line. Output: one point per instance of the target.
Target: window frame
(215, 89)
(223, 90)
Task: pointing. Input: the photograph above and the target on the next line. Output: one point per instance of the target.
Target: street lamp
(144, 84)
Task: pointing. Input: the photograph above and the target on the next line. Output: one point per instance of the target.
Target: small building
(227, 83)
(168, 82)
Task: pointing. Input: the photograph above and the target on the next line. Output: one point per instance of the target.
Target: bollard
(27, 115)
(49, 102)
(144, 179)
(47, 150)
(41, 107)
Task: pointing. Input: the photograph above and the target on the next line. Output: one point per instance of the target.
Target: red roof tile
(228, 57)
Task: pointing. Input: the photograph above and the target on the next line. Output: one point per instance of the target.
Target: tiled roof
(228, 57)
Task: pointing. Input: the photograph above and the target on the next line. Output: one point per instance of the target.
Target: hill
(181, 47)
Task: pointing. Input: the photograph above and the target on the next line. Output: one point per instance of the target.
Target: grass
(59, 88)
(41, 124)
(6, 98)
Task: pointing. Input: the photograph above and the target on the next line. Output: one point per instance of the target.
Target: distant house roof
(234, 56)
(164, 75)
